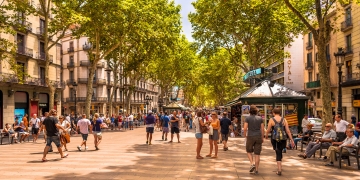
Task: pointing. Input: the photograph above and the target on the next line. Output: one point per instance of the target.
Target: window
(42, 74)
(348, 44)
(327, 50)
(318, 77)
(310, 79)
(71, 45)
(348, 16)
(71, 59)
(348, 70)
(71, 75)
(318, 95)
(316, 56)
(108, 94)
(309, 59)
(42, 26)
(72, 93)
(20, 40)
(94, 93)
(281, 68)
(310, 39)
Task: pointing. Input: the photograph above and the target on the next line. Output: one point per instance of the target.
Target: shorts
(55, 139)
(224, 137)
(199, 135)
(165, 129)
(131, 123)
(34, 130)
(175, 130)
(98, 134)
(84, 136)
(150, 130)
(254, 144)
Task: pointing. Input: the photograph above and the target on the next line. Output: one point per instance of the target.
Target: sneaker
(252, 168)
(149, 143)
(162, 137)
(329, 164)
(284, 151)
(322, 159)
(256, 172)
(96, 148)
(165, 139)
(79, 148)
(86, 148)
(146, 142)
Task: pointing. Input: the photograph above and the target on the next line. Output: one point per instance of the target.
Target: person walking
(225, 124)
(165, 126)
(83, 126)
(254, 135)
(35, 125)
(150, 123)
(175, 127)
(131, 121)
(198, 121)
(96, 129)
(66, 125)
(215, 123)
(52, 127)
(278, 125)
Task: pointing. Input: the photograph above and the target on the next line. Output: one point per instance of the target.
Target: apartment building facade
(348, 37)
(30, 96)
(75, 70)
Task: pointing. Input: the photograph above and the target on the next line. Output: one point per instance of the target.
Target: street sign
(254, 72)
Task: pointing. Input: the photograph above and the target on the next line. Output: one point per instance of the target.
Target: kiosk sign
(254, 72)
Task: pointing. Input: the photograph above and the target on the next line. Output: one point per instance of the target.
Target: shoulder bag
(203, 129)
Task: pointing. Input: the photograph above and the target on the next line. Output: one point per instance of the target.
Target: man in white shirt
(83, 125)
(349, 143)
(131, 122)
(35, 125)
(305, 121)
(340, 127)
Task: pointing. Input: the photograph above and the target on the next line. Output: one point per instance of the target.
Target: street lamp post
(340, 56)
(75, 85)
(147, 99)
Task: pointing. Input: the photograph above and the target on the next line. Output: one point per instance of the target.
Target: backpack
(279, 131)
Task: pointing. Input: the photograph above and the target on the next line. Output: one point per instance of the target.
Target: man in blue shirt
(165, 125)
(149, 121)
(225, 124)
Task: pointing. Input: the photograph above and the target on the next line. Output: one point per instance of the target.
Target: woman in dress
(96, 129)
(66, 125)
(215, 123)
(278, 146)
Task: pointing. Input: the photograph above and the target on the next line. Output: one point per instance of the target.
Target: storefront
(266, 96)
(21, 105)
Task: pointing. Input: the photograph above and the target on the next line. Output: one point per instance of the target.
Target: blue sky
(186, 8)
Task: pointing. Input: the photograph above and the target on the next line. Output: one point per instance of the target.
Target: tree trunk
(115, 71)
(89, 88)
(324, 80)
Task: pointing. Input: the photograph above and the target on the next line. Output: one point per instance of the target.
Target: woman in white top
(66, 125)
(199, 136)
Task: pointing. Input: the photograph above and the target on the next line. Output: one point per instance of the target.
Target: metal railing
(313, 84)
(40, 55)
(309, 65)
(40, 31)
(70, 81)
(21, 49)
(83, 99)
(71, 64)
(29, 52)
(347, 24)
(137, 102)
(100, 65)
(351, 77)
(87, 46)
(71, 49)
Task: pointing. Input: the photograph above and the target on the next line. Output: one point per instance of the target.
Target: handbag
(210, 130)
(66, 137)
(203, 129)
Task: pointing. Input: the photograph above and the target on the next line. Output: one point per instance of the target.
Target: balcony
(110, 83)
(51, 58)
(83, 99)
(70, 49)
(23, 26)
(313, 84)
(58, 84)
(70, 81)
(85, 63)
(140, 89)
(87, 46)
(20, 50)
(309, 66)
(83, 80)
(10, 78)
(352, 79)
(349, 51)
(40, 32)
(137, 102)
(309, 45)
(35, 81)
(346, 25)
(70, 65)
(40, 56)
(100, 65)
(29, 52)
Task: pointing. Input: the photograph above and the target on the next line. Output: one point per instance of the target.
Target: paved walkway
(124, 155)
